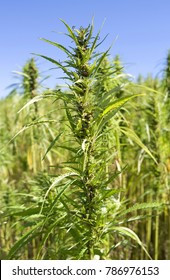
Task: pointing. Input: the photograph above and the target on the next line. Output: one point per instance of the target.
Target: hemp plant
(88, 207)
(30, 80)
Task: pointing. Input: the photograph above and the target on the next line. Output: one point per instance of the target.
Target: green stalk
(156, 236)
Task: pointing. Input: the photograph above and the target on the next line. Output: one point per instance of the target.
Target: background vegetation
(85, 170)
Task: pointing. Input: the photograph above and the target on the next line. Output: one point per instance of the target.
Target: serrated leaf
(69, 116)
(56, 63)
(140, 206)
(70, 31)
(21, 74)
(57, 198)
(47, 233)
(33, 100)
(109, 193)
(134, 137)
(100, 61)
(119, 103)
(23, 240)
(52, 144)
(56, 181)
(28, 126)
(58, 46)
(130, 233)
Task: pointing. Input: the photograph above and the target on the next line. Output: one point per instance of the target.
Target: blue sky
(142, 27)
